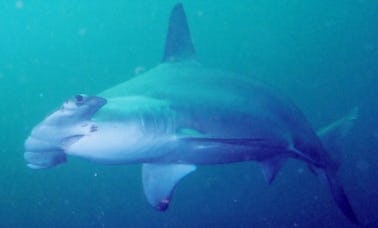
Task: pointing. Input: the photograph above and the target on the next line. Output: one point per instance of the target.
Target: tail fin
(340, 196)
(333, 139)
(333, 136)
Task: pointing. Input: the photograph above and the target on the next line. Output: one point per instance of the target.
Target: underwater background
(322, 54)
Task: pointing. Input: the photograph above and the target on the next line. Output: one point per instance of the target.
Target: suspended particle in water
(82, 31)
(19, 4)
(300, 170)
(139, 70)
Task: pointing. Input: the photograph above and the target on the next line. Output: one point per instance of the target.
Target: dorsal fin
(178, 43)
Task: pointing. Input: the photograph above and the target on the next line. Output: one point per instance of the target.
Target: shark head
(45, 146)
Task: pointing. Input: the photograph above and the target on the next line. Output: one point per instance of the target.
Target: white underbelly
(117, 143)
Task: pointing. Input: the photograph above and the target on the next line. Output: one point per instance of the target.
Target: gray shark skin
(180, 115)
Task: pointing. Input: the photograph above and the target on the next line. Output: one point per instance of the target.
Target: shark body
(180, 115)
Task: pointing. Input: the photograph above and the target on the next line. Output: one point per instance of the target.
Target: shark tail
(340, 196)
(333, 137)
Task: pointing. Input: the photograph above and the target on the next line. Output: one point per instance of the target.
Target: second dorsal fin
(178, 44)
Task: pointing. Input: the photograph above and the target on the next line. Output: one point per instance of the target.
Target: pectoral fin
(159, 181)
(271, 167)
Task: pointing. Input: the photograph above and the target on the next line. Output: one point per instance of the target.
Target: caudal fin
(340, 196)
(334, 135)
(333, 138)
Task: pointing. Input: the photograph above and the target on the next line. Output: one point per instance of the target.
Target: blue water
(322, 54)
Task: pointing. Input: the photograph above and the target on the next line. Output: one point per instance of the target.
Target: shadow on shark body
(180, 115)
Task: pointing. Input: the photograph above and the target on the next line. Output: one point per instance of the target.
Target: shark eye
(79, 99)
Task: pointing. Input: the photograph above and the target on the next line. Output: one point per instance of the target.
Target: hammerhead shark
(180, 115)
